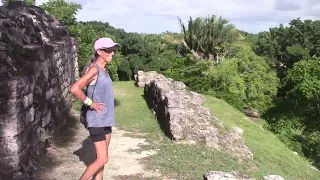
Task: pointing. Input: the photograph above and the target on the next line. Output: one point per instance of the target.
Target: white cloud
(155, 16)
(248, 15)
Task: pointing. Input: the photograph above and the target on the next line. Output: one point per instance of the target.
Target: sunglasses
(109, 50)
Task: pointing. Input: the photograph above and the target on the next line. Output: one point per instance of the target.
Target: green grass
(270, 154)
(192, 162)
(132, 112)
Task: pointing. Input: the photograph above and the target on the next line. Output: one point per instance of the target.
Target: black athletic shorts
(99, 133)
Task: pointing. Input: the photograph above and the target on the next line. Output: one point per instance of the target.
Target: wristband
(88, 101)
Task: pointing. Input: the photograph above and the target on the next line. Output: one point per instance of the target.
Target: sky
(157, 16)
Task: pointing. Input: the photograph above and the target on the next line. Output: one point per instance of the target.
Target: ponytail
(93, 58)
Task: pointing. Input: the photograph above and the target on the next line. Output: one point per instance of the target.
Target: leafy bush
(241, 80)
(124, 71)
(113, 67)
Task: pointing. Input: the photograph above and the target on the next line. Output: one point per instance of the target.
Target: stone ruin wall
(183, 117)
(38, 63)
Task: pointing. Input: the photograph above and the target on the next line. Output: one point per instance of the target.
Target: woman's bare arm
(77, 87)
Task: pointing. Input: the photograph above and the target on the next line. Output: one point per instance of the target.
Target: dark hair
(93, 58)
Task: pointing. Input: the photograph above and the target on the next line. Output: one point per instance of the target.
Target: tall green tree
(304, 78)
(209, 37)
(65, 11)
(295, 49)
(242, 80)
(302, 37)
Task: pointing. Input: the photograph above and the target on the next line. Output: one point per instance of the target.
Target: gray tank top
(102, 92)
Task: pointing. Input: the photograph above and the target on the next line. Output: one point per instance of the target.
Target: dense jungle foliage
(276, 72)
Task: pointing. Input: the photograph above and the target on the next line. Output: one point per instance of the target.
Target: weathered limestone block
(142, 78)
(273, 177)
(183, 118)
(234, 175)
(251, 112)
(219, 175)
(38, 63)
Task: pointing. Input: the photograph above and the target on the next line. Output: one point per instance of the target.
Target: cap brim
(116, 45)
(112, 45)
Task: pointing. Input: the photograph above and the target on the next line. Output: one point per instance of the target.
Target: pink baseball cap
(104, 43)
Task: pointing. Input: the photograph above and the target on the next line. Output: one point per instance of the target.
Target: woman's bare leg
(100, 172)
(102, 158)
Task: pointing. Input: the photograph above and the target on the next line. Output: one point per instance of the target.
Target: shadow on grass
(116, 102)
(160, 114)
(65, 134)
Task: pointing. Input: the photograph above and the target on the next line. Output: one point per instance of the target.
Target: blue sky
(156, 16)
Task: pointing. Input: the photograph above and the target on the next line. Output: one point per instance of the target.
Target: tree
(295, 114)
(209, 37)
(304, 78)
(300, 38)
(64, 11)
(242, 80)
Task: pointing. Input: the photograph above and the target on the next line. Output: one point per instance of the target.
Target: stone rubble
(183, 118)
(219, 175)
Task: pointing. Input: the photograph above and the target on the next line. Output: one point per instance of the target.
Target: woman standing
(100, 116)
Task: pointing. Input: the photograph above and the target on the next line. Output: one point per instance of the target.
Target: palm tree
(209, 37)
